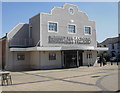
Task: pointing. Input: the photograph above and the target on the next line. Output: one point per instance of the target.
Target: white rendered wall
(49, 64)
(22, 64)
(14, 64)
(92, 60)
(35, 60)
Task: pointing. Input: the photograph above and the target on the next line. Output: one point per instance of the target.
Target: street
(94, 78)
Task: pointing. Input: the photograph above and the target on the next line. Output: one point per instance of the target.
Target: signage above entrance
(68, 40)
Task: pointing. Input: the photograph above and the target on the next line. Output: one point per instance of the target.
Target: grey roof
(99, 45)
(111, 41)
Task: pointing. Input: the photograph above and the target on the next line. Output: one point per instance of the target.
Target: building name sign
(68, 40)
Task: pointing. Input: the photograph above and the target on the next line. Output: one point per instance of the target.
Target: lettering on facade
(68, 40)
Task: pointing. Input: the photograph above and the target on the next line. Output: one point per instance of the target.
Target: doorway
(80, 58)
(73, 58)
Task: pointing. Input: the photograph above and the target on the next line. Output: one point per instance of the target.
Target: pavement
(84, 78)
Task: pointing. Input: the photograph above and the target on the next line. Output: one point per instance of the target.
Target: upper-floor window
(52, 27)
(71, 11)
(87, 30)
(113, 46)
(71, 28)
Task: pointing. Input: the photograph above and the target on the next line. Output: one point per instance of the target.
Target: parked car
(115, 59)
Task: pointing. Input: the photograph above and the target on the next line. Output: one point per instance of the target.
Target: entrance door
(80, 58)
(70, 58)
(73, 58)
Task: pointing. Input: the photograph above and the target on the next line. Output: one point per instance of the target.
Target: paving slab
(74, 79)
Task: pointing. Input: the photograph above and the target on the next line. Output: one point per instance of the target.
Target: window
(71, 28)
(113, 46)
(89, 55)
(52, 27)
(20, 56)
(71, 11)
(52, 56)
(87, 30)
(113, 53)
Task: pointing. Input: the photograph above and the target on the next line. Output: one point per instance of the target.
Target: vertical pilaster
(62, 58)
(77, 58)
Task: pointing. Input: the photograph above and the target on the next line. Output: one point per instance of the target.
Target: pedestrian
(111, 63)
(104, 61)
(117, 61)
(100, 60)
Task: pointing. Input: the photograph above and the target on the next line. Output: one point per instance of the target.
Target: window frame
(52, 59)
(86, 33)
(72, 9)
(20, 54)
(89, 55)
(52, 30)
(71, 32)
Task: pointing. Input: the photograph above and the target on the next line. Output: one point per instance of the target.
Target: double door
(73, 58)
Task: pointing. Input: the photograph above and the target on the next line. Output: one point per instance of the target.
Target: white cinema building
(63, 38)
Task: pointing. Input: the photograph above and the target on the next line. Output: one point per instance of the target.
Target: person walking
(111, 63)
(100, 60)
(104, 61)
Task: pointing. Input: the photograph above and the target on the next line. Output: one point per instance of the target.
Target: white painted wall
(63, 18)
(92, 61)
(21, 64)
(14, 64)
(35, 60)
(9, 59)
(49, 64)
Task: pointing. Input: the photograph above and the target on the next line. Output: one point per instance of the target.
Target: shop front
(72, 58)
(59, 39)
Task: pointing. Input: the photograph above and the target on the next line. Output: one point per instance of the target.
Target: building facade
(114, 47)
(63, 38)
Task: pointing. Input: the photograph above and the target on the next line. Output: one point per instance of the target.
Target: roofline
(14, 28)
(50, 13)
(3, 37)
(69, 4)
(58, 48)
(34, 16)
